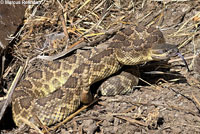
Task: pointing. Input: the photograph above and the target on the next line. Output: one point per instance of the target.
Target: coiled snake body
(56, 90)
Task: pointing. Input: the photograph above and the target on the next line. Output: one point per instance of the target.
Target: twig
(170, 88)
(64, 27)
(31, 125)
(133, 121)
(8, 97)
(73, 115)
(195, 99)
(179, 59)
(180, 29)
(98, 23)
(11, 90)
(44, 128)
(84, 4)
(2, 66)
(146, 82)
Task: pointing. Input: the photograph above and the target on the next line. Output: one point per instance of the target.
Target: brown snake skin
(56, 90)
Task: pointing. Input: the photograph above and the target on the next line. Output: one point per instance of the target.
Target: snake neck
(133, 58)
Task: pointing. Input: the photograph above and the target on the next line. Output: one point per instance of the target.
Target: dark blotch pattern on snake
(56, 90)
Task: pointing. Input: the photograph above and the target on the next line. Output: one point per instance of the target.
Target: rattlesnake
(56, 90)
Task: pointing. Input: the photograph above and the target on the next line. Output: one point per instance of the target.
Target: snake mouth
(164, 52)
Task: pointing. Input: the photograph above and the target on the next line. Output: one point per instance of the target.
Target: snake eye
(165, 50)
(160, 51)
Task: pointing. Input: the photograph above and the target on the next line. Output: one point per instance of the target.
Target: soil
(167, 99)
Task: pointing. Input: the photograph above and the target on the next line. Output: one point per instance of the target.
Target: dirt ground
(167, 99)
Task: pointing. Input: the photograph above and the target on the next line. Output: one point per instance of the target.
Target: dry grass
(53, 27)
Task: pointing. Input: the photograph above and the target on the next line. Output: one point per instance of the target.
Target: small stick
(186, 23)
(179, 59)
(11, 90)
(12, 87)
(145, 82)
(31, 125)
(133, 121)
(195, 99)
(73, 115)
(2, 66)
(64, 27)
(44, 128)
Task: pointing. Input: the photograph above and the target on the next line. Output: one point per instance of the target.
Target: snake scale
(57, 88)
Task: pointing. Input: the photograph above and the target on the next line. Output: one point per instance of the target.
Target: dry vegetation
(168, 100)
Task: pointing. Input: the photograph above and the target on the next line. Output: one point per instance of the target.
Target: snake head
(164, 51)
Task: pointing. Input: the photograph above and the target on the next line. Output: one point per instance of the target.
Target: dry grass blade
(181, 28)
(145, 82)
(161, 73)
(2, 66)
(188, 40)
(31, 125)
(11, 90)
(8, 99)
(73, 115)
(195, 99)
(179, 59)
(86, 24)
(133, 121)
(44, 128)
(183, 95)
(84, 4)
